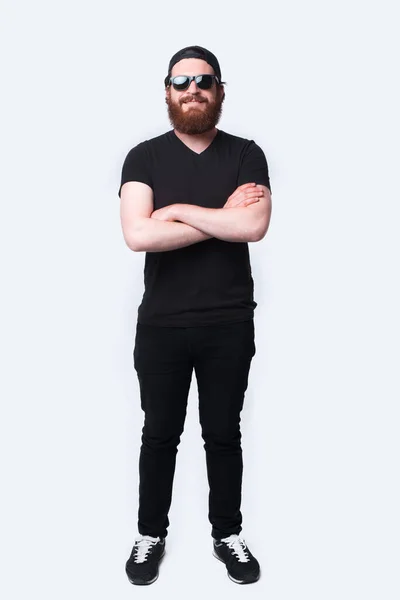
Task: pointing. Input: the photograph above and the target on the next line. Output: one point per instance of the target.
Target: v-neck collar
(173, 135)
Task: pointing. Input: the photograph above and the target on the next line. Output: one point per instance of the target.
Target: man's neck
(198, 141)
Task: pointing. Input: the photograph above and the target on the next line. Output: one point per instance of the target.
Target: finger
(255, 193)
(244, 185)
(247, 201)
(242, 188)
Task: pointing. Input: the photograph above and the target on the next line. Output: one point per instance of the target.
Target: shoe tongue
(231, 538)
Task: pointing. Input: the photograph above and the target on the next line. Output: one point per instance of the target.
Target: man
(192, 198)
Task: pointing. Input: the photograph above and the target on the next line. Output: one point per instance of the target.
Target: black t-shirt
(209, 282)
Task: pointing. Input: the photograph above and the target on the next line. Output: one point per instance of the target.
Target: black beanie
(194, 52)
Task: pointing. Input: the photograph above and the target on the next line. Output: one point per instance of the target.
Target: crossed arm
(179, 225)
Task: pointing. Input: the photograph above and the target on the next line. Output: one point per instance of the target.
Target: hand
(245, 194)
(163, 214)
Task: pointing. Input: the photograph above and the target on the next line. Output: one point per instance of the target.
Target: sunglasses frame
(170, 81)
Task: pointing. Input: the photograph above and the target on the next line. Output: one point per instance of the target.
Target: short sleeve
(136, 167)
(254, 166)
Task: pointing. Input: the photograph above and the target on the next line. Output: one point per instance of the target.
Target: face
(194, 110)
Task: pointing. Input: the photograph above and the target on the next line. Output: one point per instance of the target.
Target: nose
(192, 87)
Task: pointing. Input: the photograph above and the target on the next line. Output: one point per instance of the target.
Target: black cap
(194, 52)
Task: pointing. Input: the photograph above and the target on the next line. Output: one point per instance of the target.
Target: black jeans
(164, 358)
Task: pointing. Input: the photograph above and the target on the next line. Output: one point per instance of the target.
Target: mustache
(191, 98)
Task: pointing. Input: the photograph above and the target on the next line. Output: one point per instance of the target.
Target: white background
(315, 84)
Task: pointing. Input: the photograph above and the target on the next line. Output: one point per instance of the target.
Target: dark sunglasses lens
(180, 82)
(205, 82)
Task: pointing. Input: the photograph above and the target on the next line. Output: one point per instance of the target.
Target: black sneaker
(241, 565)
(142, 565)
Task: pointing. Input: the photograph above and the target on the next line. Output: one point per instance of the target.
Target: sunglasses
(182, 82)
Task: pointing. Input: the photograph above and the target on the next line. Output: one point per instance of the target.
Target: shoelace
(143, 546)
(238, 547)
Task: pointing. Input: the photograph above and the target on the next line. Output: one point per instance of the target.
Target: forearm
(229, 224)
(153, 235)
